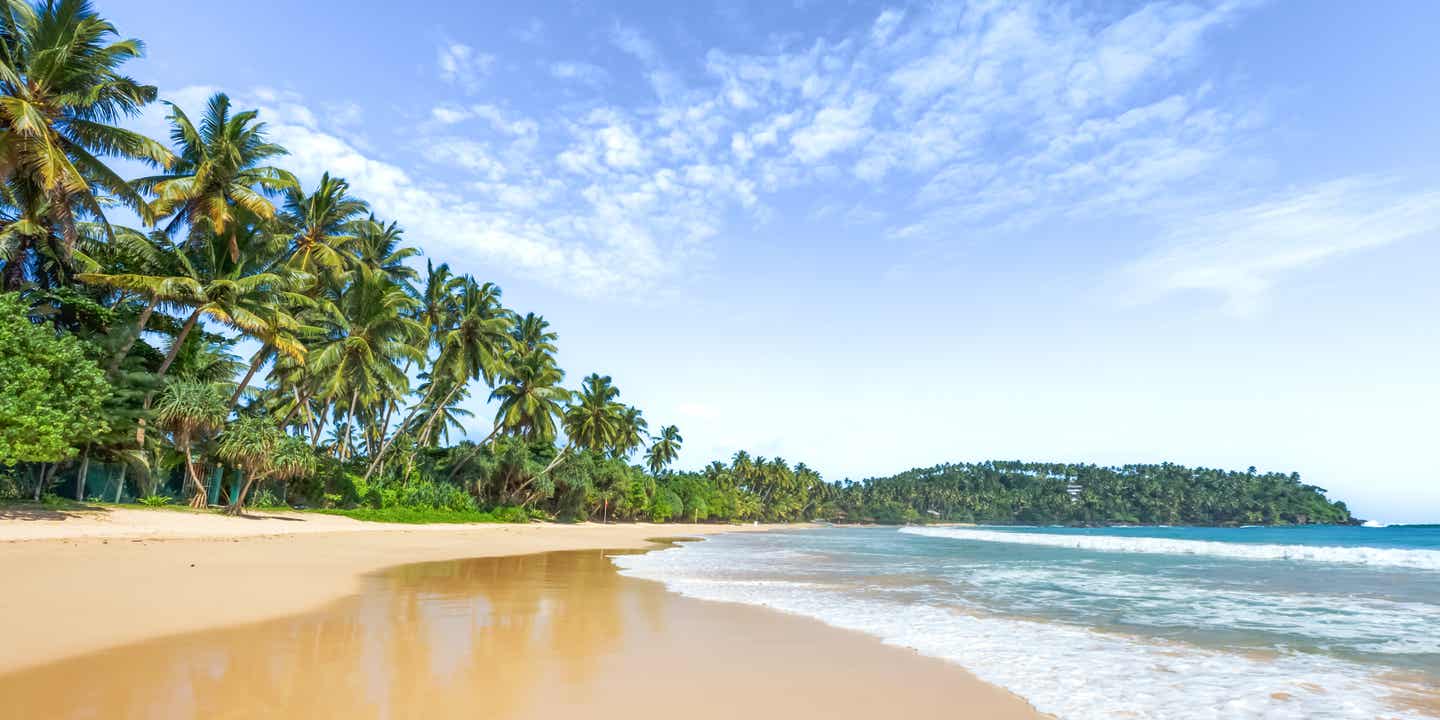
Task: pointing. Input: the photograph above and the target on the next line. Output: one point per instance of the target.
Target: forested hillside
(1028, 492)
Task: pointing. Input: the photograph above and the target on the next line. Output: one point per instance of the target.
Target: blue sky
(872, 236)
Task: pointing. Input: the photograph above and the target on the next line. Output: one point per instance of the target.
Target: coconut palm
(359, 359)
(220, 180)
(61, 91)
(472, 347)
(322, 225)
(377, 250)
(187, 408)
(530, 398)
(664, 448)
(592, 421)
(631, 432)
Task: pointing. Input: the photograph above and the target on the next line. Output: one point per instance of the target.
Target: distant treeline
(1028, 492)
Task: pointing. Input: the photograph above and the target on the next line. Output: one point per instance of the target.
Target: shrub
(436, 495)
(266, 499)
(155, 500)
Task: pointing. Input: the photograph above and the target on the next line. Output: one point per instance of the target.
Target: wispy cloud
(631, 41)
(463, 65)
(1241, 252)
(955, 119)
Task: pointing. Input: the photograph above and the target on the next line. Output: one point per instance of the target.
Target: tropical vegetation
(250, 337)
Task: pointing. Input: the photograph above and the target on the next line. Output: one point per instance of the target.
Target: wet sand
(529, 636)
(119, 577)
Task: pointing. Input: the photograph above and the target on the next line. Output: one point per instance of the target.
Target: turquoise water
(1306, 622)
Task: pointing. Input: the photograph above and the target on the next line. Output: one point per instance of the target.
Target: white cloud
(834, 128)
(463, 65)
(632, 42)
(1242, 251)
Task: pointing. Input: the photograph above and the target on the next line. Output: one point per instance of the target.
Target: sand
(164, 614)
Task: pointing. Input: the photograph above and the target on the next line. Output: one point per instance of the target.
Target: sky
(876, 236)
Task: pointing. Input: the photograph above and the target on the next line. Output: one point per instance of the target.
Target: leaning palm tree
(187, 408)
(220, 174)
(664, 448)
(61, 91)
(471, 348)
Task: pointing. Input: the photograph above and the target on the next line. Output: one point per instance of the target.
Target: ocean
(1144, 622)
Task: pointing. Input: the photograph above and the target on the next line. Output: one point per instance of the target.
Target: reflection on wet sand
(513, 637)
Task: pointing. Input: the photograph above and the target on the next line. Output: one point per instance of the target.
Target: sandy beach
(146, 589)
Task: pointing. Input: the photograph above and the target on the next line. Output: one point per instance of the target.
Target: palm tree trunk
(254, 366)
(385, 446)
(237, 503)
(164, 368)
(130, 341)
(198, 500)
(299, 400)
(473, 451)
(319, 427)
(120, 485)
(80, 479)
(349, 425)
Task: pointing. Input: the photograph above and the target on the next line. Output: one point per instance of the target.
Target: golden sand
(347, 624)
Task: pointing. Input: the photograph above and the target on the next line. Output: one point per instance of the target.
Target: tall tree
(664, 448)
(220, 180)
(61, 93)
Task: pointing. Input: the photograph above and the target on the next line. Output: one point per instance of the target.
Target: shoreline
(121, 583)
(97, 580)
(536, 636)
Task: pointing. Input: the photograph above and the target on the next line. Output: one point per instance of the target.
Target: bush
(155, 500)
(437, 496)
(665, 505)
(266, 499)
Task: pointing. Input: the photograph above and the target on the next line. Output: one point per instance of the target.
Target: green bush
(437, 496)
(155, 500)
(266, 499)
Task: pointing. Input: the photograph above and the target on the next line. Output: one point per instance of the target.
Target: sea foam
(1069, 671)
(1373, 556)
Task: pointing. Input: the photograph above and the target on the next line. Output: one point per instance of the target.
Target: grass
(420, 516)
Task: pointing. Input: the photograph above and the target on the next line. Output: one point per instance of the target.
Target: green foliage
(415, 515)
(1087, 494)
(665, 505)
(266, 498)
(155, 500)
(50, 391)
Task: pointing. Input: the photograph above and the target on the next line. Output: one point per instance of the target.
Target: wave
(1068, 671)
(1353, 555)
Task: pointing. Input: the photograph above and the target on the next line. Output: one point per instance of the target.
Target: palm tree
(592, 422)
(377, 250)
(219, 175)
(664, 448)
(186, 408)
(530, 398)
(631, 433)
(322, 225)
(472, 347)
(61, 91)
(359, 358)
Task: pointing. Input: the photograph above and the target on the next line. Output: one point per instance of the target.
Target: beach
(137, 602)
